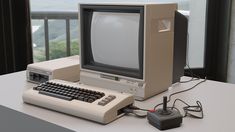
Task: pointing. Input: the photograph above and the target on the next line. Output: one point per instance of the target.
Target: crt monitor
(113, 42)
(127, 47)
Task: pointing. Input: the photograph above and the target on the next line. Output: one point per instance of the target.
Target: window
(53, 37)
(54, 29)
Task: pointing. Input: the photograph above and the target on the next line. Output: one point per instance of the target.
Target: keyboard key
(35, 88)
(112, 96)
(81, 98)
(102, 103)
(56, 95)
(86, 99)
(109, 98)
(105, 100)
(93, 97)
(68, 92)
(90, 100)
(98, 96)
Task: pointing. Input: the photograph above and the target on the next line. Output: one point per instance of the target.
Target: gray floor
(13, 121)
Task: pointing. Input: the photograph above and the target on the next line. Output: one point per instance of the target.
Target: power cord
(194, 77)
(188, 109)
(169, 99)
(133, 110)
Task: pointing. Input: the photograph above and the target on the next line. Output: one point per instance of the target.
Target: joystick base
(163, 120)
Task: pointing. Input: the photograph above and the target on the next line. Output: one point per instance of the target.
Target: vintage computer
(128, 48)
(126, 53)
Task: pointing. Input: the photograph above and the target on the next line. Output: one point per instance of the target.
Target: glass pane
(57, 39)
(196, 29)
(38, 40)
(231, 56)
(74, 37)
(194, 9)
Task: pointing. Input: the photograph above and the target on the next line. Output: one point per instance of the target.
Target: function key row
(106, 100)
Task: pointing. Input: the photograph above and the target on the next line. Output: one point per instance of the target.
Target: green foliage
(74, 47)
(39, 54)
(57, 49)
(57, 31)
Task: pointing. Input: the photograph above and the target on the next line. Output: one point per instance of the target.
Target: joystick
(164, 118)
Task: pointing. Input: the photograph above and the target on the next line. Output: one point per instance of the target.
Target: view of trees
(57, 33)
(57, 50)
(57, 40)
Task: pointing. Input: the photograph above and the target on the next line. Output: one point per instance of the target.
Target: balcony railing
(49, 15)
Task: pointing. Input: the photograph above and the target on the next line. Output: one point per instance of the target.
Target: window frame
(216, 41)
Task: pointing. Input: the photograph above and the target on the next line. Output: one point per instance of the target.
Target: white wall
(231, 59)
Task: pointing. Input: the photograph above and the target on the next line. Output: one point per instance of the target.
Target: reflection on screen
(114, 39)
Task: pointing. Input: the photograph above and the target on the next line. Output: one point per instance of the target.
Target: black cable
(192, 75)
(174, 108)
(190, 80)
(129, 110)
(187, 89)
(191, 71)
(196, 108)
(187, 108)
(139, 116)
(191, 108)
(137, 108)
(180, 101)
(169, 98)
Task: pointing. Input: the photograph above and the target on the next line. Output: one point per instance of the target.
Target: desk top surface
(217, 99)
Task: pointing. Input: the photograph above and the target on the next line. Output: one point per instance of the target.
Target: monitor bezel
(87, 61)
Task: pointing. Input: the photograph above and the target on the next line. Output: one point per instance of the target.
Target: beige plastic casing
(67, 68)
(157, 59)
(91, 111)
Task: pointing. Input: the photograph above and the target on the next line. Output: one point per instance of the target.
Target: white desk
(218, 100)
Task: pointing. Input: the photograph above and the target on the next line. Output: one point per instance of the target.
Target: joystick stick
(165, 118)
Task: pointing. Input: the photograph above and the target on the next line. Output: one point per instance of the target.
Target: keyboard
(88, 102)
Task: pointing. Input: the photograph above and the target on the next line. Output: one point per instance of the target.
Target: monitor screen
(112, 39)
